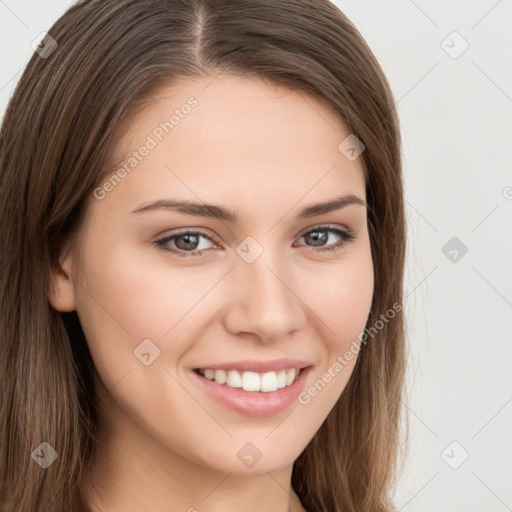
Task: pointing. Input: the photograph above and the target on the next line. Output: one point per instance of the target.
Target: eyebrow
(221, 213)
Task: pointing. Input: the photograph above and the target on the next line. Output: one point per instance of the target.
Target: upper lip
(258, 365)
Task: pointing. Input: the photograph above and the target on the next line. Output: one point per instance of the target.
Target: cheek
(341, 305)
(130, 295)
(138, 293)
(341, 296)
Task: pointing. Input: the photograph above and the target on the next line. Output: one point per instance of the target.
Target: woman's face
(236, 295)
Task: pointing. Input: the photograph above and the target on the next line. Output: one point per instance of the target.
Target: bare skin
(266, 153)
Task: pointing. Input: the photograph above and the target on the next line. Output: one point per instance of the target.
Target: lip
(253, 403)
(258, 366)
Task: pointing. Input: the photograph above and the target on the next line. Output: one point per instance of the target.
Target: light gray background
(456, 116)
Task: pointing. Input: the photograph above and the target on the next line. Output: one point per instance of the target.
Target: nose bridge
(265, 304)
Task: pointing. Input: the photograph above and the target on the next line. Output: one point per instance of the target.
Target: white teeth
(220, 376)
(234, 379)
(252, 381)
(269, 381)
(281, 379)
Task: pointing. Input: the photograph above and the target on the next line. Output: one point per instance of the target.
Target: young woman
(203, 242)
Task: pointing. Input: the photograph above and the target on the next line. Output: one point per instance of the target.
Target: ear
(62, 285)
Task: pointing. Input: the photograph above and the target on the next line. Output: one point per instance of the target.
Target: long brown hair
(56, 143)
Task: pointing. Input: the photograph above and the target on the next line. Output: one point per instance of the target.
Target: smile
(255, 389)
(252, 381)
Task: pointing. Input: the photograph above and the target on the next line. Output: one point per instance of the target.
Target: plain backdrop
(448, 63)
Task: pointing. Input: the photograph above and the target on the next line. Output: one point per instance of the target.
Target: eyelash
(346, 237)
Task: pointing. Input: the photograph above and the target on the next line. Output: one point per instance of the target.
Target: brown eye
(319, 236)
(184, 243)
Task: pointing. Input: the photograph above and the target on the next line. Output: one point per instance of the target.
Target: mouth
(252, 393)
(265, 382)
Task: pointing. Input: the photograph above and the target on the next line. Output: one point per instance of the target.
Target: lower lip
(254, 403)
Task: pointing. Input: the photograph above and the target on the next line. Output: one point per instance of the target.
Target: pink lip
(258, 366)
(254, 403)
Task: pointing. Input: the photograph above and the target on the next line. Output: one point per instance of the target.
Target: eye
(186, 243)
(183, 241)
(320, 235)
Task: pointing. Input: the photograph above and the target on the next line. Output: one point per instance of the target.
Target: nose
(263, 298)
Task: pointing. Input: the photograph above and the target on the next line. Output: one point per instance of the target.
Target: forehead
(230, 136)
